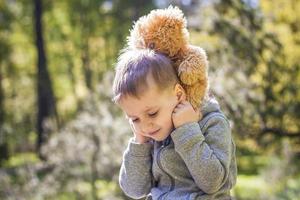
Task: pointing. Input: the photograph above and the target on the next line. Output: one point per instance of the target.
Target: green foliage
(82, 40)
(254, 68)
(249, 187)
(254, 55)
(290, 190)
(104, 189)
(21, 159)
(251, 164)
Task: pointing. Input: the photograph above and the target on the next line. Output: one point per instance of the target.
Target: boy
(175, 153)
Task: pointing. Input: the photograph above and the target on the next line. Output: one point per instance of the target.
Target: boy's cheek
(132, 125)
(175, 119)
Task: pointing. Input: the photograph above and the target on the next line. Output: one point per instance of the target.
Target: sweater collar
(210, 105)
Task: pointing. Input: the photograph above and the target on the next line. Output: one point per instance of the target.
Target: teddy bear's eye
(151, 45)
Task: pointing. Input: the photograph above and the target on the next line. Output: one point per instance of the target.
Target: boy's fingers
(185, 102)
(182, 101)
(175, 110)
(179, 105)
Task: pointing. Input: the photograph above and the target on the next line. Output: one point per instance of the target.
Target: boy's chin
(160, 139)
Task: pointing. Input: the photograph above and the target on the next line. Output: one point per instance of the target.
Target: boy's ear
(179, 92)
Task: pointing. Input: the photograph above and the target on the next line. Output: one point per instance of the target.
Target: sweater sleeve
(207, 158)
(135, 177)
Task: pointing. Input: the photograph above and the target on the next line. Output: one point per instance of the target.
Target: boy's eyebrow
(150, 108)
(147, 110)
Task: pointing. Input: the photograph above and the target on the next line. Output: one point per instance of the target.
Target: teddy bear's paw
(187, 78)
(189, 73)
(196, 93)
(195, 101)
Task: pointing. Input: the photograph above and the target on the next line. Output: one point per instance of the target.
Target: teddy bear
(165, 31)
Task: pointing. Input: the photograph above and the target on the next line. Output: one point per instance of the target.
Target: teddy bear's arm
(194, 65)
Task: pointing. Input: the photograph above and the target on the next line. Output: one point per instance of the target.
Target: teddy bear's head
(163, 30)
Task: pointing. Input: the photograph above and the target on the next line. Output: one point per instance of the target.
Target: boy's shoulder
(209, 107)
(211, 111)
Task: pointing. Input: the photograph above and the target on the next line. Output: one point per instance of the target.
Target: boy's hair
(133, 68)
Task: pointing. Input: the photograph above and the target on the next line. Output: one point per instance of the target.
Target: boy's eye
(134, 120)
(153, 114)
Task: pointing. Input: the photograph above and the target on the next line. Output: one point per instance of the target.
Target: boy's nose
(147, 127)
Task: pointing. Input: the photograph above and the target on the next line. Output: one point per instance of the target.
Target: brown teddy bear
(164, 30)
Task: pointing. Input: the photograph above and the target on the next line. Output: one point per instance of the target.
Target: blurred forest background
(61, 137)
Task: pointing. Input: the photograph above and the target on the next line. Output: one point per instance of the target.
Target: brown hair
(133, 68)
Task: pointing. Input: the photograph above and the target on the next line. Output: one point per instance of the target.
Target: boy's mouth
(153, 133)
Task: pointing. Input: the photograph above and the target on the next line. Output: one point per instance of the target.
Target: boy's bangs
(133, 69)
(134, 80)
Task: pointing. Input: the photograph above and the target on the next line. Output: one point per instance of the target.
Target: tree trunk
(94, 161)
(3, 143)
(107, 53)
(87, 71)
(45, 96)
(72, 76)
(85, 51)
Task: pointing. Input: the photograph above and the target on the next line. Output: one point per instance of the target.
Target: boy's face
(151, 114)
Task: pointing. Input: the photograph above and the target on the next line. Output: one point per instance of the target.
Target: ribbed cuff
(139, 150)
(186, 132)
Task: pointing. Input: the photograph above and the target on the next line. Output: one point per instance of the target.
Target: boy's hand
(184, 113)
(138, 137)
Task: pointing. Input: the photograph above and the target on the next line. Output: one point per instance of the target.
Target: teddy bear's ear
(175, 13)
(135, 39)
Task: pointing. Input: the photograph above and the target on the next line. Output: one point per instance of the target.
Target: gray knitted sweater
(196, 162)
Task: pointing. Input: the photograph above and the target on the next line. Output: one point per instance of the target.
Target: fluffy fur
(164, 30)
